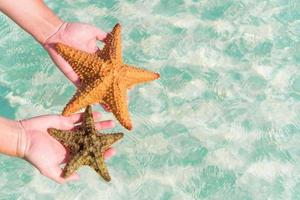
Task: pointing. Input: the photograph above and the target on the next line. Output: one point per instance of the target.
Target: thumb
(100, 35)
(56, 175)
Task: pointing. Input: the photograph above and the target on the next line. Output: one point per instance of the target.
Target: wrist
(13, 139)
(33, 16)
(49, 28)
(22, 140)
(56, 35)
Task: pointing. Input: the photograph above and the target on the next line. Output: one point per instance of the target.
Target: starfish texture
(86, 145)
(104, 77)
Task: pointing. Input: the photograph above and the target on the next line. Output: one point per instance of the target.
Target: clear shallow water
(223, 122)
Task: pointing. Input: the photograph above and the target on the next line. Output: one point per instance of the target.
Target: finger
(109, 153)
(65, 159)
(74, 177)
(105, 107)
(104, 125)
(100, 35)
(56, 175)
(78, 117)
(96, 115)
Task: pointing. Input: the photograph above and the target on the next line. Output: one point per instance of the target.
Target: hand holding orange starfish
(105, 78)
(78, 35)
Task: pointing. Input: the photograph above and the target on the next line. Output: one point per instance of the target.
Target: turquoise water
(223, 122)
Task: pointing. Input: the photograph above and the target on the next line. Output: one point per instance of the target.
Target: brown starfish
(104, 77)
(86, 146)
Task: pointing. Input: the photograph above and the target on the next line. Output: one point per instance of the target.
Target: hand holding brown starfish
(46, 153)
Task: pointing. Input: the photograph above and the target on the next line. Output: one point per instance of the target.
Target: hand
(78, 35)
(45, 152)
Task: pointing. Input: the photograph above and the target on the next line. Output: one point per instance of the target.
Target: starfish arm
(68, 138)
(112, 49)
(88, 122)
(88, 146)
(83, 63)
(116, 99)
(134, 75)
(99, 166)
(106, 140)
(79, 159)
(89, 93)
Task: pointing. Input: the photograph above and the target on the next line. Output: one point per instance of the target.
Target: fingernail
(111, 123)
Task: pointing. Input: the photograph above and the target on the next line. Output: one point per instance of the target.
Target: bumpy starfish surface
(104, 77)
(86, 145)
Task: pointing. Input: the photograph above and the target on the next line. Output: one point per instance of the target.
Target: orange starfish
(104, 77)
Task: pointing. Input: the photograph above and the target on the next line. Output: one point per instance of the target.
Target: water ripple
(222, 122)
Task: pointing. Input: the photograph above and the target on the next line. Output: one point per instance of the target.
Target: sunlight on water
(222, 122)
